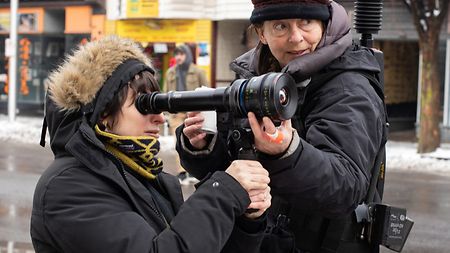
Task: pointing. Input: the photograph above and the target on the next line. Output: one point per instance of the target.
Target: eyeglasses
(280, 28)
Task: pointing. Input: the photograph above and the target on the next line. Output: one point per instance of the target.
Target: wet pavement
(425, 195)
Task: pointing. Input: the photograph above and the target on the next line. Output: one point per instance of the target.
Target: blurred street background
(216, 32)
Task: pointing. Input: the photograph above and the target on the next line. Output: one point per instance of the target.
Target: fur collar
(76, 82)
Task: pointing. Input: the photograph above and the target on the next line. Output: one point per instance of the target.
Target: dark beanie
(287, 9)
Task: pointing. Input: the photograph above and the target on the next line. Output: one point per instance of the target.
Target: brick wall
(401, 61)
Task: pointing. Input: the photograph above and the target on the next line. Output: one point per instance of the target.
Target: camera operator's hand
(255, 180)
(192, 130)
(260, 201)
(270, 139)
(250, 174)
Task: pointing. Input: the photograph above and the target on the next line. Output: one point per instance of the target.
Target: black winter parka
(86, 201)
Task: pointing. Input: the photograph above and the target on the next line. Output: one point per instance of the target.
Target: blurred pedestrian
(183, 76)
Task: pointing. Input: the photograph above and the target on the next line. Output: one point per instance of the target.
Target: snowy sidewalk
(400, 155)
(28, 130)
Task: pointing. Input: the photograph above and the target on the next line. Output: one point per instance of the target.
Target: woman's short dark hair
(144, 82)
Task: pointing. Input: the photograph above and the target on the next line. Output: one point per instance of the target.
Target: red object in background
(172, 62)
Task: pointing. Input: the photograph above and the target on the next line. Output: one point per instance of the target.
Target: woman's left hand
(270, 139)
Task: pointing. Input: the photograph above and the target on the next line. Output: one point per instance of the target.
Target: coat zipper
(123, 172)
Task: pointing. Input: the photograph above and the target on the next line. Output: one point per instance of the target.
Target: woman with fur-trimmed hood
(106, 191)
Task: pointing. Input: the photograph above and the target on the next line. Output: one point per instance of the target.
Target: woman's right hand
(192, 130)
(255, 180)
(260, 202)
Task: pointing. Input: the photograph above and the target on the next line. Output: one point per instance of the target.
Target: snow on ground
(28, 130)
(400, 155)
(403, 155)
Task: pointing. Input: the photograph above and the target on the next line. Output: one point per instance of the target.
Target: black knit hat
(287, 9)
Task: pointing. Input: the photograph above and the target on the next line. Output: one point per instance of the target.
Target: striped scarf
(137, 152)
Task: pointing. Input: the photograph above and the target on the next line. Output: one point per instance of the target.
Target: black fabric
(290, 11)
(335, 229)
(159, 196)
(377, 171)
(279, 237)
(61, 126)
(43, 132)
(161, 203)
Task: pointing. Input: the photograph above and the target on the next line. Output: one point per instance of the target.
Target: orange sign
(78, 19)
(24, 56)
(6, 88)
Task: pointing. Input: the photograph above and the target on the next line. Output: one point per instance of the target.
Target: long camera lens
(273, 95)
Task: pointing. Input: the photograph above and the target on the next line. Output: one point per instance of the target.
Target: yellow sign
(142, 8)
(158, 30)
(4, 22)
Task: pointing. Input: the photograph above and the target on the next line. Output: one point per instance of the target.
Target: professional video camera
(273, 95)
(383, 224)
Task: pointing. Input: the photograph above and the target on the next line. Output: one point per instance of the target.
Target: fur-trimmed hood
(77, 81)
(83, 85)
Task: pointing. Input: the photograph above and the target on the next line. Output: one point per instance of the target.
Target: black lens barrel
(273, 95)
(181, 101)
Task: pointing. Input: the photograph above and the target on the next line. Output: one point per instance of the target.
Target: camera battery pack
(391, 226)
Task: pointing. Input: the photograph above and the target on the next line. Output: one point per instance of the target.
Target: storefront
(162, 25)
(45, 35)
(159, 37)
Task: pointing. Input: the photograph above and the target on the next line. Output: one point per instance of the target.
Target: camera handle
(240, 138)
(243, 142)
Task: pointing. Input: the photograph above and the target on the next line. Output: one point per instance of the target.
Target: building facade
(46, 31)
(216, 31)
